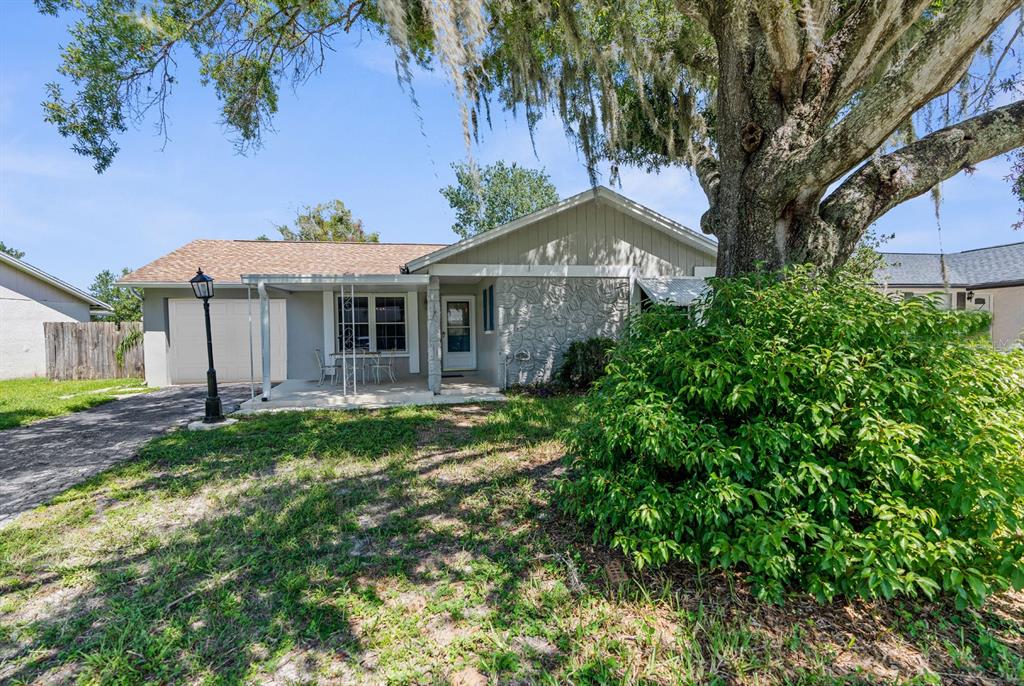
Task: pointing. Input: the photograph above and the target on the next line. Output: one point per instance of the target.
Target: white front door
(458, 332)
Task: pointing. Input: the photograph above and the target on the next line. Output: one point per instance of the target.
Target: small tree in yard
(495, 195)
(125, 302)
(326, 222)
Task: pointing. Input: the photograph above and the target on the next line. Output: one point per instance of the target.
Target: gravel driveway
(40, 460)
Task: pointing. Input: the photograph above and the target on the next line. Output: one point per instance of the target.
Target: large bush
(815, 434)
(584, 362)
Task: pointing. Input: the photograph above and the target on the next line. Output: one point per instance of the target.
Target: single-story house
(501, 306)
(29, 297)
(989, 279)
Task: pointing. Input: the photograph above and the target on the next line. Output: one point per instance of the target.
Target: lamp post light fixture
(202, 286)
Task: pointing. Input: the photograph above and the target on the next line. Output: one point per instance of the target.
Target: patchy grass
(23, 401)
(414, 545)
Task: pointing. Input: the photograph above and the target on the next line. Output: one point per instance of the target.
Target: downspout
(265, 337)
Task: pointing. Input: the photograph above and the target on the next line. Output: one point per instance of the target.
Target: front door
(458, 332)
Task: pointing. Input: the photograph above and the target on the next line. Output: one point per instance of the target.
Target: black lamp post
(202, 286)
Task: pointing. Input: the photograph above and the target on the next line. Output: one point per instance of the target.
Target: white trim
(412, 334)
(330, 333)
(337, 279)
(371, 307)
(445, 299)
(620, 202)
(54, 281)
(549, 270)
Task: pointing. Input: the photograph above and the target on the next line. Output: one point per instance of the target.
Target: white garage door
(229, 321)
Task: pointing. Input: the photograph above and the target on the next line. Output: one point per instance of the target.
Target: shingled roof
(226, 261)
(1000, 265)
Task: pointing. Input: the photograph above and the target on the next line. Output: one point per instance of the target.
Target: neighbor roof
(621, 202)
(1000, 265)
(27, 268)
(226, 261)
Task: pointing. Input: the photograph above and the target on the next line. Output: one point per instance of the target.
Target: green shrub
(584, 362)
(814, 434)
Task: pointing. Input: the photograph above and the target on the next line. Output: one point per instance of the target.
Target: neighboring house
(501, 306)
(990, 279)
(29, 297)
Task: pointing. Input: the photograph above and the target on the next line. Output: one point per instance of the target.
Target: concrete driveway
(43, 459)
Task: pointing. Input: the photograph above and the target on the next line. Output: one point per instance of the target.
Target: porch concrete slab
(296, 394)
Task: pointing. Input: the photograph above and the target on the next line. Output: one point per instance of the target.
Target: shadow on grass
(274, 566)
(314, 522)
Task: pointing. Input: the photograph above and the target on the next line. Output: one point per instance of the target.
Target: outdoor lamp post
(202, 286)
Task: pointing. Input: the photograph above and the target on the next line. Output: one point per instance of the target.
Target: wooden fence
(87, 350)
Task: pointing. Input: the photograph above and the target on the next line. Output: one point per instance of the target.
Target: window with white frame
(380, 328)
(487, 305)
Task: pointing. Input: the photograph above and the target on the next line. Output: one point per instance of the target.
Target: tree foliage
(496, 194)
(813, 434)
(126, 303)
(326, 222)
(804, 122)
(13, 252)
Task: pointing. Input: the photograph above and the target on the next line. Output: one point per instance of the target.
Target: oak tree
(803, 120)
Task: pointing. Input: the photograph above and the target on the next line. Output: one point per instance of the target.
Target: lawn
(421, 546)
(23, 401)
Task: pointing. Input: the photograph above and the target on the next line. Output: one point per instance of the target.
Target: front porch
(300, 394)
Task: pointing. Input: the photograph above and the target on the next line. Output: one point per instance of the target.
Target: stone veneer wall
(543, 316)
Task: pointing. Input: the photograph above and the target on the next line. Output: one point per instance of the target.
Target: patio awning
(673, 290)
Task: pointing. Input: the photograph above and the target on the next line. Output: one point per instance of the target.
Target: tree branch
(886, 181)
(933, 66)
(869, 30)
(782, 35)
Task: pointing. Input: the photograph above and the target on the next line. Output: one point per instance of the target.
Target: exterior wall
(25, 304)
(156, 333)
(1007, 316)
(593, 233)
(305, 333)
(1005, 304)
(543, 316)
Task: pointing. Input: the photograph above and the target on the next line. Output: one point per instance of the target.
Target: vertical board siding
(86, 350)
(593, 233)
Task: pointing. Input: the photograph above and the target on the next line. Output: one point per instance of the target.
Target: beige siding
(1005, 304)
(593, 233)
(1007, 316)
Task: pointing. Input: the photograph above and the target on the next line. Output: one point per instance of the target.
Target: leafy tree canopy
(330, 221)
(803, 121)
(125, 302)
(495, 195)
(13, 252)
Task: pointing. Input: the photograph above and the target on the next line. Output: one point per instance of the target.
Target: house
(29, 297)
(990, 279)
(501, 306)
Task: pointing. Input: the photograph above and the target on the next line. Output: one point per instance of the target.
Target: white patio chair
(380, 364)
(324, 367)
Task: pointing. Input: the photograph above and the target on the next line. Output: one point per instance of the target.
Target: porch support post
(434, 335)
(265, 337)
(329, 331)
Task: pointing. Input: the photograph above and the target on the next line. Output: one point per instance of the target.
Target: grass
(414, 546)
(23, 401)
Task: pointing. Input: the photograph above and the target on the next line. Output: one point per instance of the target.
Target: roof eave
(53, 281)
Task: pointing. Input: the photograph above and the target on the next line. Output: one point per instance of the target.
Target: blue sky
(349, 133)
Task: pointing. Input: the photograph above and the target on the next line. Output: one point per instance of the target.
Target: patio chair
(380, 364)
(324, 367)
